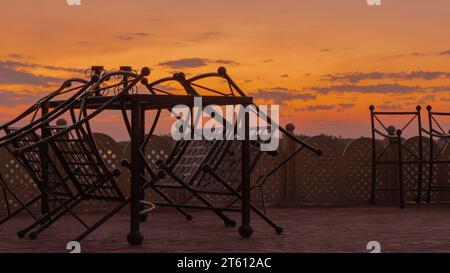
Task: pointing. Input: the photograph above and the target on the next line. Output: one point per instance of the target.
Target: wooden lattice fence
(342, 176)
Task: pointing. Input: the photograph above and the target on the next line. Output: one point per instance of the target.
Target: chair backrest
(74, 145)
(51, 181)
(189, 156)
(229, 164)
(77, 152)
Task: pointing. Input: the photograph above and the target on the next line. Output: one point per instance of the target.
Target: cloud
(207, 36)
(320, 107)
(195, 62)
(346, 105)
(18, 65)
(268, 61)
(282, 94)
(9, 74)
(426, 99)
(132, 36)
(16, 56)
(11, 98)
(220, 61)
(325, 50)
(356, 77)
(421, 54)
(285, 76)
(390, 107)
(371, 89)
(184, 63)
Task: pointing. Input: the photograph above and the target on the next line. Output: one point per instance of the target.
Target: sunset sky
(323, 61)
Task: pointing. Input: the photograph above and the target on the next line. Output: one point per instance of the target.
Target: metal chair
(52, 184)
(394, 138)
(206, 168)
(76, 151)
(437, 156)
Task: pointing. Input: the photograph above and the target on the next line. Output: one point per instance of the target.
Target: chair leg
(43, 219)
(170, 201)
(277, 228)
(67, 208)
(227, 221)
(100, 222)
(263, 200)
(23, 207)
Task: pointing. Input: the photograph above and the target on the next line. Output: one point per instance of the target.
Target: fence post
(290, 172)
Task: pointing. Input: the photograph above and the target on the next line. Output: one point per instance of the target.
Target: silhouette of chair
(210, 168)
(438, 155)
(395, 144)
(76, 150)
(52, 184)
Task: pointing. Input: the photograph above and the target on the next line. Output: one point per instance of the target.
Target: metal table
(138, 104)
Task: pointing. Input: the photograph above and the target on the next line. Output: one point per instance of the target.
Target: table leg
(137, 167)
(246, 230)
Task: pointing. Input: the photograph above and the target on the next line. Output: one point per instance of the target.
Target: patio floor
(418, 228)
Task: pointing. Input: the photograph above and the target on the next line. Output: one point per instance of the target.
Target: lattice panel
(318, 176)
(335, 178)
(18, 180)
(159, 147)
(387, 175)
(441, 177)
(111, 155)
(411, 171)
(357, 171)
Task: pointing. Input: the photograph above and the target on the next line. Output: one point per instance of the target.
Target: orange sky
(324, 61)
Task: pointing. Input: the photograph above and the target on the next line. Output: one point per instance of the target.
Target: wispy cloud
(346, 105)
(195, 62)
(355, 77)
(320, 107)
(18, 65)
(371, 89)
(421, 54)
(281, 94)
(9, 74)
(207, 36)
(16, 56)
(132, 36)
(390, 107)
(12, 99)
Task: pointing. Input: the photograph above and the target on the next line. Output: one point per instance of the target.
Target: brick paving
(418, 228)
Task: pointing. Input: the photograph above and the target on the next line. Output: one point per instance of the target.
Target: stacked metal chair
(394, 137)
(75, 148)
(211, 168)
(52, 184)
(66, 165)
(437, 155)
